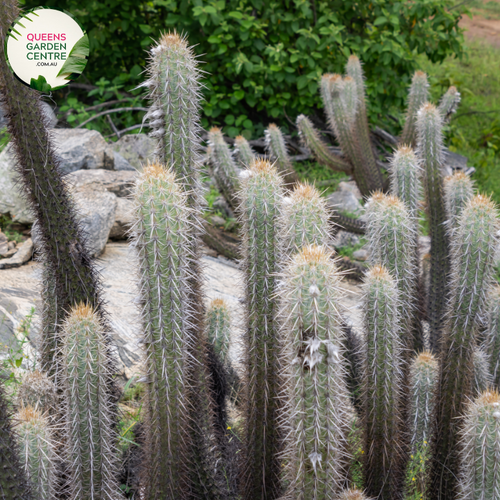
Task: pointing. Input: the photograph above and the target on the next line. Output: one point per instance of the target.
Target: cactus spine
(304, 221)
(13, 482)
(458, 190)
(382, 385)
(480, 471)
(275, 143)
(353, 494)
(430, 145)
(362, 131)
(244, 151)
(74, 277)
(417, 97)
(391, 237)
(260, 209)
(449, 103)
(423, 383)
(311, 139)
(319, 418)
(89, 411)
(38, 450)
(225, 170)
(492, 343)
(473, 253)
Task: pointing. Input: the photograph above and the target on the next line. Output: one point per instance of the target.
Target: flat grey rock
(79, 149)
(345, 199)
(23, 255)
(137, 149)
(119, 183)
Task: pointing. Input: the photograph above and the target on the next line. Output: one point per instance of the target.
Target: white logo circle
(46, 48)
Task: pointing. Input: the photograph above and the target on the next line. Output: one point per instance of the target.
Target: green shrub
(264, 59)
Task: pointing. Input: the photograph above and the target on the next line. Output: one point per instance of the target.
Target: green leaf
(77, 58)
(380, 20)
(145, 28)
(40, 84)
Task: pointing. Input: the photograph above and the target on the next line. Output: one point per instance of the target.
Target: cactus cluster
(303, 364)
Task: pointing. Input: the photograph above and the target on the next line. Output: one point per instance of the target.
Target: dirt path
(484, 27)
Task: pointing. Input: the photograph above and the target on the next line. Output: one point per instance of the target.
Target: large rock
(121, 163)
(120, 183)
(136, 149)
(23, 255)
(11, 200)
(124, 218)
(79, 149)
(96, 213)
(346, 199)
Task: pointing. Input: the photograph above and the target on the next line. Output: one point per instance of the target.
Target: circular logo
(46, 48)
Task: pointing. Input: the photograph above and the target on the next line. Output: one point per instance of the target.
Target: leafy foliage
(264, 59)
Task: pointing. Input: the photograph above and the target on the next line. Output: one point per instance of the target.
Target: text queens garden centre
(46, 47)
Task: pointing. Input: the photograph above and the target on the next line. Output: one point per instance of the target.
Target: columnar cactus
(174, 92)
(423, 384)
(458, 190)
(492, 342)
(165, 253)
(318, 420)
(481, 376)
(391, 237)
(449, 103)
(38, 449)
(405, 174)
(37, 391)
(479, 467)
(430, 145)
(372, 171)
(311, 139)
(276, 148)
(473, 252)
(224, 168)
(417, 97)
(73, 276)
(260, 209)
(14, 484)
(90, 435)
(244, 152)
(383, 352)
(304, 221)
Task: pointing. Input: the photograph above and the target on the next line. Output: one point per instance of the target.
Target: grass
(6, 227)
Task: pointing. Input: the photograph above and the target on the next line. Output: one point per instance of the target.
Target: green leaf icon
(40, 84)
(77, 59)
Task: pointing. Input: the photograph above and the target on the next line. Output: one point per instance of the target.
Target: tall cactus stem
(430, 146)
(481, 378)
(224, 168)
(423, 384)
(14, 484)
(382, 385)
(244, 152)
(449, 103)
(458, 190)
(260, 211)
(311, 139)
(480, 448)
(318, 420)
(367, 151)
(90, 437)
(492, 342)
(276, 147)
(473, 252)
(304, 221)
(73, 276)
(418, 95)
(38, 448)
